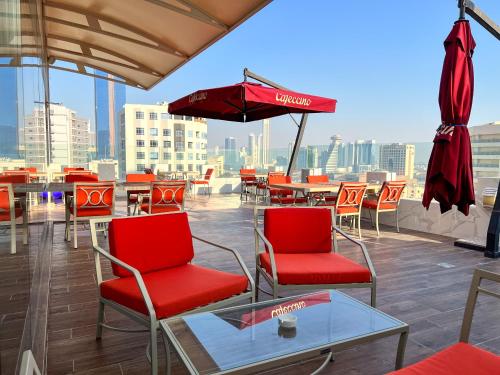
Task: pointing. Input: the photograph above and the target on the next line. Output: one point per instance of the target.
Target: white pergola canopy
(138, 42)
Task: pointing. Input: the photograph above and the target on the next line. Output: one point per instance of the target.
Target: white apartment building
(398, 158)
(152, 138)
(485, 143)
(69, 138)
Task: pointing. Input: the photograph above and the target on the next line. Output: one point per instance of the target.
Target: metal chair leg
(373, 299)
(75, 234)
(100, 320)
(376, 223)
(359, 225)
(25, 228)
(397, 220)
(257, 278)
(13, 237)
(154, 350)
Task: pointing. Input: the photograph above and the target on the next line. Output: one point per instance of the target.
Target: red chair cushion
(458, 359)
(175, 290)
(200, 182)
(151, 243)
(5, 215)
(288, 200)
(88, 212)
(321, 268)
(159, 209)
(372, 203)
(298, 230)
(347, 210)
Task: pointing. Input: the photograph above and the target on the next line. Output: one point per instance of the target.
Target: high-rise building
(110, 98)
(259, 151)
(312, 157)
(8, 113)
(151, 138)
(266, 141)
(485, 141)
(398, 158)
(333, 154)
(230, 154)
(70, 140)
(252, 149)
(364, 154)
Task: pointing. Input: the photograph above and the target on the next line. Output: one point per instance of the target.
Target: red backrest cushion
(140, 177)
(391, 191)
(94, 196)
(151, 243)
(208, 173)
(4, 199)
(351, 194)
(21, 178)
(167, 193)
(299, 230)
(279, 179)
(75, 177)
(316, 179)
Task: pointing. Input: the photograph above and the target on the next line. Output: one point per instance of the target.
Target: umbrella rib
(233, 105)
(293, 118)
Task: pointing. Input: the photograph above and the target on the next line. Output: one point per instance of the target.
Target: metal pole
(461, 5)
(303, 120)
(480, 17)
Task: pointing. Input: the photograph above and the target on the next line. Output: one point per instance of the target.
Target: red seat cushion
(347, 210)
(159, 209)
(299, 230)
(458, 359)
(320, 268)
(5, 215)
(372, 203)
(151, 243)
(261, 185)
(288, 200)
(175, 290)
(200, 182)
(87, 212)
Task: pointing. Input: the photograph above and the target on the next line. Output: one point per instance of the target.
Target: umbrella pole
(298, 139)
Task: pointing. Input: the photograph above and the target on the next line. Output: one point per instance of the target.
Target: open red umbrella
(248, 101)
(449, 174)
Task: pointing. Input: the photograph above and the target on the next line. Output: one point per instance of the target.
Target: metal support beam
(303, 121)
(480, 17)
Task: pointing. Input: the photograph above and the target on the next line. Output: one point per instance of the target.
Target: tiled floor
(412, 286)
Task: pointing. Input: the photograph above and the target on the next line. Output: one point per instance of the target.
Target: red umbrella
(449, 174)
(247, 101)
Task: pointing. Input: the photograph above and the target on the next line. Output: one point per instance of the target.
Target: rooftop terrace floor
(423, 280)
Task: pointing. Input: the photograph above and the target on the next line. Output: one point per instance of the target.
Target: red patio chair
(325, 196)
(248, 181)
(17, 177)
(89, 200)
(387, 201)
(205, 181)
(283, 197)
(165, 196)
(71, 169)
(462, 358)
(133, 195)
(9, 212)
(300, 252)
(349, 202)
(155, 274)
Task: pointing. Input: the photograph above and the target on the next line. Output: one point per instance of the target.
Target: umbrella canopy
(247, 101)
(449, 174)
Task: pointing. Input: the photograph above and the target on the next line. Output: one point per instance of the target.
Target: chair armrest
(135, 273)
(236, 255)
(270, 248)
(361, 245)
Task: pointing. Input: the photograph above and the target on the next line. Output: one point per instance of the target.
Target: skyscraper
(8, 113)
(333, 154)
(252, 149)
(312, 157)
(259, 151)
(110, 98)
(266, 141)
(398, 158)
(230, 153)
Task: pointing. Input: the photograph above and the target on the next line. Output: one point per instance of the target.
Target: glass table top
(239, 336)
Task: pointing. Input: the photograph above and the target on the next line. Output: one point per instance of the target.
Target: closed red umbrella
(247, 101)
(449, 174)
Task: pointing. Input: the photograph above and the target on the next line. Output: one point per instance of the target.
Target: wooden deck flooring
(414, 285)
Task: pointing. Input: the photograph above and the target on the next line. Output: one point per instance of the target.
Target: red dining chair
(165, 196)
(462, 358)
(248, 182)
(325, 196)
(349, 202)
(387, 201)
(300, 252)
(283, 197)
(72, 169)
(155, 276)
(31, 171)
(17, 177)
(133, 195)
(205, 181)
(10, 210)
(89, 200)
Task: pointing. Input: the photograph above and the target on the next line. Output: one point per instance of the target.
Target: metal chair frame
(12, 221)
(77, 218)
(272, 279)
(150, 321)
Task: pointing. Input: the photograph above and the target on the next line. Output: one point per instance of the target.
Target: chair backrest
(6, 202)
(279, 179)
(151, 243)
(391, 192)
(94, 195)
(248, 174)
(275, 174)
(29, 169)
(70, 169)
(299, 230)
(140, 177)
(208, 174)
(317, 179)
(82, 171)
(81, 177)
(167, 194)
(351, 194)
(15, 178)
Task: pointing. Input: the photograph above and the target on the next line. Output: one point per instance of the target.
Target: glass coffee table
(249, 338)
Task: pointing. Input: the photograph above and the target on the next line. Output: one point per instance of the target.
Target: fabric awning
(137, 41)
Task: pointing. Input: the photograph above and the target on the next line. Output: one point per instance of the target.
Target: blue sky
(380, 59)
